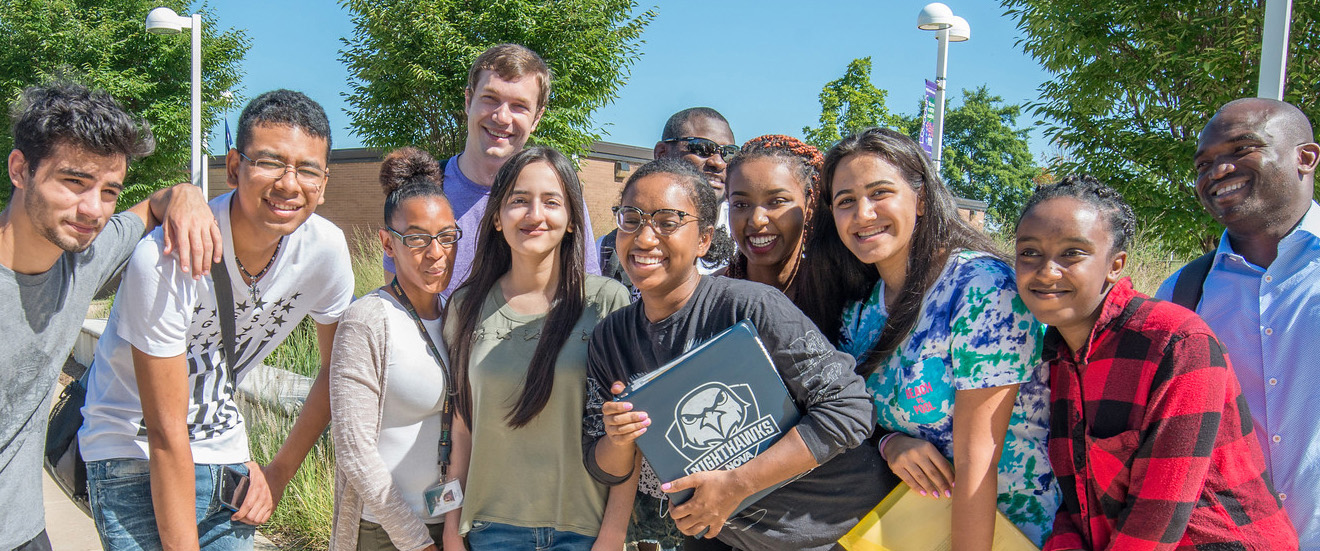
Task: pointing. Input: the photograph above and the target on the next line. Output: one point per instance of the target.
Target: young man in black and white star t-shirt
(161, 422)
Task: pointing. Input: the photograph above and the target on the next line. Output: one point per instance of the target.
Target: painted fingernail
(642, 415)
(665, 486)
(923, 492)
(641, 430)
(646, 422)
(948, 493)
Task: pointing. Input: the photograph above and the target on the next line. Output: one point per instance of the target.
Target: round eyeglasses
(663, 221)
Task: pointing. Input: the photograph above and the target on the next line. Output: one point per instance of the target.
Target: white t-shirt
(409, 437)
(164, 312)
(721, 224)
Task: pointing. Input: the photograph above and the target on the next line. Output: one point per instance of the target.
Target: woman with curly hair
(771, 190)
(388, 380)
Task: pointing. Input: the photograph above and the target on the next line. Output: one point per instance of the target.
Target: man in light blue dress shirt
(1255, 174)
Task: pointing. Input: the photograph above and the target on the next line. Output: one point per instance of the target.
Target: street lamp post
(948, 28)
(163, 20)
(1274, 49)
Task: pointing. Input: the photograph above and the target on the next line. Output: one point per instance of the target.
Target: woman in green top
(518, 330)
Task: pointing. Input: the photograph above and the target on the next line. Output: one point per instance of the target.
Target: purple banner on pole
(928, 119)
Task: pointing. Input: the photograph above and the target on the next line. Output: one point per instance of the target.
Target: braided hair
(803, 161)
(1105, 200)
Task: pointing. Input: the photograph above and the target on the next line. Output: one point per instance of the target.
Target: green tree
(986, 157)
(848, 104)
(105, 44)
(1133, 83)
(408, 62)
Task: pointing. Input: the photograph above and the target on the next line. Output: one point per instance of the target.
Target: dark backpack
(1188, 288)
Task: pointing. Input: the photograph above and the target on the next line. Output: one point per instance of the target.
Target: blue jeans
(120, 492)
(493, 535)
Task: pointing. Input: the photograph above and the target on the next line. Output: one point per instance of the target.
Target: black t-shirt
(810, 513)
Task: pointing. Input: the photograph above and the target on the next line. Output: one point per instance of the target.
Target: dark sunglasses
(704, 147)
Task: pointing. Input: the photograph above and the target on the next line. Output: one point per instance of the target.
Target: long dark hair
(837, 277)
(494, 259)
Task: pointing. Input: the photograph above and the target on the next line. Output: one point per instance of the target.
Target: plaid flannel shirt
(1151, 440)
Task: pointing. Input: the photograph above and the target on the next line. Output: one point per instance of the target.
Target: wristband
(883, 440)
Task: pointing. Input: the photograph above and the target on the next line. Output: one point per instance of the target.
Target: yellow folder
(908, 521)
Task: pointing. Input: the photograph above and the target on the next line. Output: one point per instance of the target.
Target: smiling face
(1247, 170)
(71, 194)
(534, 216)
(713, 166)
(658, 264)
(501, 114)
(276, 206)
(1065, 265)
(767, 212)
(425, 268)
(875, 211)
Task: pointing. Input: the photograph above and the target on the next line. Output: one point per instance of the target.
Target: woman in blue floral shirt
(931, 311)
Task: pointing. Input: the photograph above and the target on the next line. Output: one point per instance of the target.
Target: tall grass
(304, 517)
(368, 272)
(1149, 263)
(299, 353)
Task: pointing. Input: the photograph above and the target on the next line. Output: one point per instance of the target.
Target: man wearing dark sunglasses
(701, 136)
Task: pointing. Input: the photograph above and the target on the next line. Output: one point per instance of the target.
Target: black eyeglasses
(446, 238)
(705, 147)
(273, 169)
(663, 221)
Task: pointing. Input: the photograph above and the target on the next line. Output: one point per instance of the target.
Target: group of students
(472, 396)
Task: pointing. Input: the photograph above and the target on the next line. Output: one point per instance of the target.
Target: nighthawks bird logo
(709, 415)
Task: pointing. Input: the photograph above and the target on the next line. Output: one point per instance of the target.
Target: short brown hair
(512, 62)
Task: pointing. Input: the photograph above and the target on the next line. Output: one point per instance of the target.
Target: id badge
(443, 498)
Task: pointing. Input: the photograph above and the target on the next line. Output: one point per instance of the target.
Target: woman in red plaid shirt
(1150, 439)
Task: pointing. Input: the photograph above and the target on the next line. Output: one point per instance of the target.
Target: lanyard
(446, 413)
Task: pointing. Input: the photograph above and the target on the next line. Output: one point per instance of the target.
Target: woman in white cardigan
(388, 375)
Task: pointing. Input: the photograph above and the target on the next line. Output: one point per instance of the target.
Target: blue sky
(760, 63)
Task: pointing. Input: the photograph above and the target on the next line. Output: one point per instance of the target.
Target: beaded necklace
(252, 279)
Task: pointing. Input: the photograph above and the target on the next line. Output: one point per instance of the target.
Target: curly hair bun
(408, 165)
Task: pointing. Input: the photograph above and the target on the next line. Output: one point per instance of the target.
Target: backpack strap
(224, 299)
(1191, 281)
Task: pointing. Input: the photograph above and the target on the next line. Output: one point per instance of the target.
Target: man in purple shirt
(508, 86)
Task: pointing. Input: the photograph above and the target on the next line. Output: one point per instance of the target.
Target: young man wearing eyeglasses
(162, 426)
(60, 241)
(505, 98)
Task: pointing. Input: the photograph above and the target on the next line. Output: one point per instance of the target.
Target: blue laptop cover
(715, 407)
